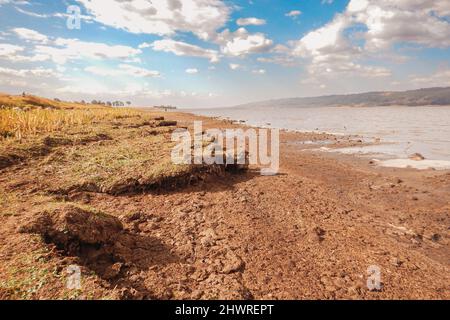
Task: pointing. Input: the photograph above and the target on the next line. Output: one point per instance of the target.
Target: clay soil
(310, 232)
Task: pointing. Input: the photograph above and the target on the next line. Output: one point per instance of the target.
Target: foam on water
(421, 165)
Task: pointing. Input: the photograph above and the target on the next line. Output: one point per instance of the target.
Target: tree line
(103, 103)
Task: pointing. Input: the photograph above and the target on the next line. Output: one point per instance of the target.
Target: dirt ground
(310, 232)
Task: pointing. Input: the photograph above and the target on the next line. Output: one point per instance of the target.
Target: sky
(213, 53)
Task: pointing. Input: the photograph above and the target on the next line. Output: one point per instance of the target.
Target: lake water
(403, 130)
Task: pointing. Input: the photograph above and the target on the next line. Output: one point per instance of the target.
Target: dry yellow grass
(32, 102)
(19, 118)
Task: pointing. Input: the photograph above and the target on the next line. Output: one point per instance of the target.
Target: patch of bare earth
(309, 233)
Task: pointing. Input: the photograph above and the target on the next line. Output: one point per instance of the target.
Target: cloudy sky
(200, 53)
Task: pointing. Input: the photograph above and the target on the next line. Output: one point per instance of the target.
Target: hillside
(421, 97)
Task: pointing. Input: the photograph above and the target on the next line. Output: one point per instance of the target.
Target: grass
(135, 154)
(19, 120)
(49, 149)
(29, 102)
(25, 279)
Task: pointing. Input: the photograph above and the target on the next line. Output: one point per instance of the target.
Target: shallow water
(406, 130)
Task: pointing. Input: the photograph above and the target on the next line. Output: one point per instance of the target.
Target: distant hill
(421, 97)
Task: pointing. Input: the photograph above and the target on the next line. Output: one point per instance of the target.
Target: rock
(167, 123)
(396, 262)
(197, 294)
(417, 157)
(435, 237)
(70, 223)
(232, 263)
(137, 216)
(318, 234)
(209, 238)
(113, 271)
(243, 199)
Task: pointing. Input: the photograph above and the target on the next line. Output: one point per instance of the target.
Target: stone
(232, 263)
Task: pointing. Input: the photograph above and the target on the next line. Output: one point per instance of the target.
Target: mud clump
(9, 160)
(167, 123)
(69, 224)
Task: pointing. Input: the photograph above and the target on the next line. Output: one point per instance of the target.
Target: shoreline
(383, 159)
(310, 232)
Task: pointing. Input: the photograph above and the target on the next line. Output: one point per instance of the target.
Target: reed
(19, 123)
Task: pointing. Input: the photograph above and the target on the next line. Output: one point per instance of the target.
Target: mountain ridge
(436, 96)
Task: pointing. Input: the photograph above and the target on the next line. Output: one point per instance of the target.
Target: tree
(128, 102)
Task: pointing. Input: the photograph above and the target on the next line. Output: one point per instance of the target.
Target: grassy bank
(55, 153)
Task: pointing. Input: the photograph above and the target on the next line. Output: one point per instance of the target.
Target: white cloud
(13, 53)
(259, 71)
(250, 21)
(440, 78)
(38, 72)
(412, 21)
(30, 35)
(279, 60)
(328, 39)
(293, 13)
(192, 71)
(241, 43)
(162, 17)
(138, 72)
(183, 49)
(235, 66)
(33, 14)
(122, 70)
(74, 49)
(7, 50)
(381, 24)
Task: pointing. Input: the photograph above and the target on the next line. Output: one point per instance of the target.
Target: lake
(403, 130)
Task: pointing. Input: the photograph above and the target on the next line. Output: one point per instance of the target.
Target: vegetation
(22, 116)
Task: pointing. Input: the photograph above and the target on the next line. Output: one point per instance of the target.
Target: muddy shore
(310, 232)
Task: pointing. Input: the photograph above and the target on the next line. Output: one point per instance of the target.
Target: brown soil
(309, 233)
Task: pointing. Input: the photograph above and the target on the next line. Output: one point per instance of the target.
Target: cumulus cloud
(13, 53)
(279, 60)
(259, 71)
(293, 13)
(30, 35)
(440, 78)
(7, 50)
(380, 25)
(235, 66)
(412, 21)
(241, 42)
(122, 70)
(22, 73)
(192, 71)
(162, 17)
(183, 49)
(250, 21)
(65, 50)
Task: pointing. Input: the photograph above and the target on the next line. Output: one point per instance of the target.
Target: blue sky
(208, 53)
